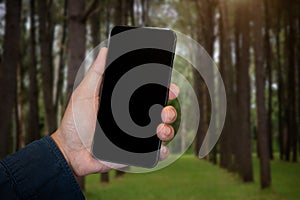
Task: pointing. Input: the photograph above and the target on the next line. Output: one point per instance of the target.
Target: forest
(254, 43)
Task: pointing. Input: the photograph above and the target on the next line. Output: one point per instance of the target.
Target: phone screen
(134, 91)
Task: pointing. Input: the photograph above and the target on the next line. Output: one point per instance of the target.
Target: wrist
(59, 143)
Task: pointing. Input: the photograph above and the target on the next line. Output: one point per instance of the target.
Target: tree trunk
(235, 142)
(76, 48)
(243, 90)
(270, 76)
(107, 18)
(291, 118)
(280, 94)
(198, 81)
(131, 12)
(204, 31)
(118, 12)
(298, 64)
(104, 177)
(261, 113)
(119, 173)
(46, 31)
(95, 22)
(59, 100)
(8, 71)
(33, 132)
(226, 68)
(19, 107)
(145, 12)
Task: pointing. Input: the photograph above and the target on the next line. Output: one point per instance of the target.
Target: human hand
(75, 134)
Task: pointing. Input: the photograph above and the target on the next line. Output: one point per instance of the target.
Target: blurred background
(254, 43)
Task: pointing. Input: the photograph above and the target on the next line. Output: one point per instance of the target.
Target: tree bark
(95, 22)
(33, 132)
(19, 105)
(8, 71)
(202, 128)
(280, 94)
(107, 17)
(59, 100)
(118, 12)
(119, 173)
(131, 12)
(291, 118)
(206, 37)
(243, 90)
(104, 177)
(46, 31)
(261, 112)
(270, 76)
(226, 68)
(145, 12)
(298, 75)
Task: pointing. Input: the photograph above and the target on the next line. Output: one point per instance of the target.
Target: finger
(99, 64)
(164, 152)
(173, 92)
(168, 114)
(90, 85)
(165, 132)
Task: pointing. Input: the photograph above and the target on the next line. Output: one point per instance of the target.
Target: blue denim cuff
(40, 171)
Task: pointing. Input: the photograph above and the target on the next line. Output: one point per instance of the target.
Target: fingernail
(171, 114)
(164, 149)
(160, 128)
(164, 116)
(167, 131)
(175, 90)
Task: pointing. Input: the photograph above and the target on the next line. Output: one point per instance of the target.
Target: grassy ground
(190, 178)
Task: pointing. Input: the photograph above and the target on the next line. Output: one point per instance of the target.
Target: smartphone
(134, 90)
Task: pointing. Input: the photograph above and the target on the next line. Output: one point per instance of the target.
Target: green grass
(190, 178)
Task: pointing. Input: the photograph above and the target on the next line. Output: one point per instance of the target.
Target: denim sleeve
(38, 171)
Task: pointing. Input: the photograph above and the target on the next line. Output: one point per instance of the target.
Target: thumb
(90, 84)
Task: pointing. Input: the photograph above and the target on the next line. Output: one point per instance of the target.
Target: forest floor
(191, 178)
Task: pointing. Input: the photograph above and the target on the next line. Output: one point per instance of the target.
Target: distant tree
(96, 24)
(33, 132)
(46, 34)
(205, 36)
(291, 89)
(243, 90)
(107, 17)
(59, 97)
(269, 66)
(262, 133)
(145, 12)
(131, 12)
(21, 97)
(118, 12)
(280, 81)
(228, 137)
(8, 71)
(298, 69)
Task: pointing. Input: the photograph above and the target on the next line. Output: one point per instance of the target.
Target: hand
(75, 135)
